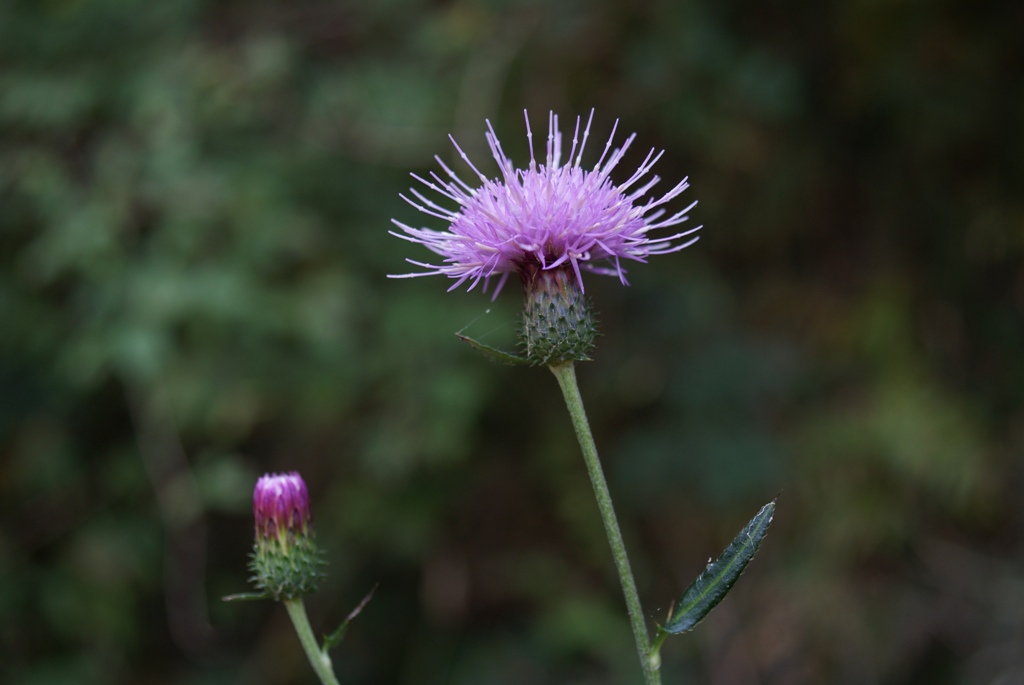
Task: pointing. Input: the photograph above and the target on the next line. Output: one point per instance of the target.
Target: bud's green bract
(285, 560)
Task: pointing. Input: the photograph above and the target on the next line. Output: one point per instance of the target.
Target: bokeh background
(194, 205)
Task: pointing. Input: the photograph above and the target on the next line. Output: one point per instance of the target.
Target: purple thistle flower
(285, 560)
(280, 506)
(548, 216)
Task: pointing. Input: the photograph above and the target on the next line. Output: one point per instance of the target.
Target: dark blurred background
(194, 205)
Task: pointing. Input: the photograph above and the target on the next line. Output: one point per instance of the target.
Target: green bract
(558, 322)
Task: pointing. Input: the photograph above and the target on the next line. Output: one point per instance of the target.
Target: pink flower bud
(285, 560)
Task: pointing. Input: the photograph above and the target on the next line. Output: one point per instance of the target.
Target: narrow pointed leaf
(246, 596)
(711, 586)
(334, 639)
(492, 353)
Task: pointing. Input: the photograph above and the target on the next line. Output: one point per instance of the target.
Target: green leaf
(334, 639)
(247, 596)
(711, 586)
(492, 353)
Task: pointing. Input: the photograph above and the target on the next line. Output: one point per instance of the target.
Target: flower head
(285, 559)
(280, 507)
(551, 215)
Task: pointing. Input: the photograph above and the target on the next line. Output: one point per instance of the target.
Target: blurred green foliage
(194, 204)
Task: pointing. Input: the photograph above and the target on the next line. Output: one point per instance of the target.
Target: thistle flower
(555, 215)
(285, 560)
(547, 223)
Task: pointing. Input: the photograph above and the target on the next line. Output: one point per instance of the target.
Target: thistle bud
(558, 323)
(285, 560)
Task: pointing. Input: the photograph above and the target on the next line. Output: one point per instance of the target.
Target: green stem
(318, 659)
(656, 645)
(649, 660)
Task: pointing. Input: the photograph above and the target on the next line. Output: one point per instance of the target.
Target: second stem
(318, 658)
(566, 375)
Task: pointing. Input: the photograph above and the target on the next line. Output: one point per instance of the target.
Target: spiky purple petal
(280, 506)
(555, 214)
